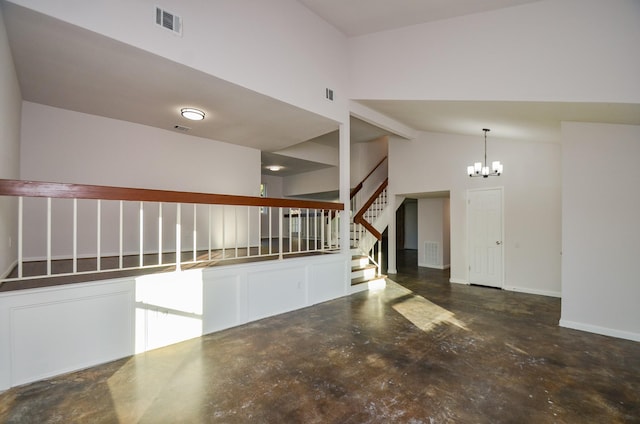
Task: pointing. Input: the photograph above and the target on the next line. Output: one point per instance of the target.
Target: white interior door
(485, 237)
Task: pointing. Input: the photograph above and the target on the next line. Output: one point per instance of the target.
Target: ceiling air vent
(169, 20)
(181, 128)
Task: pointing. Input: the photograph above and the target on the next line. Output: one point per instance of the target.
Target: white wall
(320, 181)
(433, 226)
(437, 162)
(274, 189)
(600, 228)
(315, 152)
(366, 155)
(551, 50)
(10, 109)
(277, 48)
(274, 185)
(64, 146)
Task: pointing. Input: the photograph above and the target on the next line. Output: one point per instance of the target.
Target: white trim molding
(534, 291)
(600, 330)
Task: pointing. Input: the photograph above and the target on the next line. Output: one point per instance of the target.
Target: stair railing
(363, 223)
(368, 183)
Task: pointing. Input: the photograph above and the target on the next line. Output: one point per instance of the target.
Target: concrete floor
(421, 351)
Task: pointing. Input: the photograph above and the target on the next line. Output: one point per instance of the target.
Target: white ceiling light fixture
(479, 169)
(274, 168)
(192, 113)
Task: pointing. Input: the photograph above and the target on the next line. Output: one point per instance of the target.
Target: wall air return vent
(328, 94)
(432, 254)
(169, 20)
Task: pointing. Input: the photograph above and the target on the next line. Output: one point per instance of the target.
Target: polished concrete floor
(421, 351)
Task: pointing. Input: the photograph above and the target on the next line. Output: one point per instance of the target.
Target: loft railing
(69, 229)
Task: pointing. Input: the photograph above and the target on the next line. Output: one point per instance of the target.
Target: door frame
(469, 244)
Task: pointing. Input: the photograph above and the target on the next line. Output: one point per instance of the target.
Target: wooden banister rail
(83, 191)
(358, 187)
(359, 217)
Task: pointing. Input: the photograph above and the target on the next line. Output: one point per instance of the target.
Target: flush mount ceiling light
(481, 169)
(274, 168)
(192, 113)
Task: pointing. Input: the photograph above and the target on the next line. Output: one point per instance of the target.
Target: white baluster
(74, 259)
(20, 227)
(141, 231)
(160, 233)
(178, 237)
(98, 234)
(48, 235)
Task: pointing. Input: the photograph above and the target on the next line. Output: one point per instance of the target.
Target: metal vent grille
(431, 253)
(181, 128)
(169, 20)
(328, 94)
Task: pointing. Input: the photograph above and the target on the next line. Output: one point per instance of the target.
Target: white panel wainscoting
(58, 329)
(50, 331)
(274, 291)
(325, 281)
(223, 306)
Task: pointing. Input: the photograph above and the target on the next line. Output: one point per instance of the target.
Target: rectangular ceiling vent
(169, 20)
(181, 128)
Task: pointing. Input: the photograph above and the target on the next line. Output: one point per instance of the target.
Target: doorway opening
(423, 232)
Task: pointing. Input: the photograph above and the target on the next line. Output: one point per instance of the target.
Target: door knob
(498, 243)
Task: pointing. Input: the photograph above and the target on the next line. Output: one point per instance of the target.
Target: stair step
(362, 280)
(362, 268)
(358, 260)
(367, 272)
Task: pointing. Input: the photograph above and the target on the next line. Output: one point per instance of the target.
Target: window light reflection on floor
(421, 312)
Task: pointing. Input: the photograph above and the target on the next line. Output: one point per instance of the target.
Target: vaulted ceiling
(65, 66)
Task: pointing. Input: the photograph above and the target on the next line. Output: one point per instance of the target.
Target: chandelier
(481, 169)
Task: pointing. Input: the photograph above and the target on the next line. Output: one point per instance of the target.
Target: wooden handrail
(358, 187)
(83, 191)
(359, 217)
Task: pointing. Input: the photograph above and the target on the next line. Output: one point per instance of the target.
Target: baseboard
(457, 281)
(600, 330)
(423, 265)
(534, 291)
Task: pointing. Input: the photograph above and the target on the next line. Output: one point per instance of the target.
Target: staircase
(366, 229)
(364, 273)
